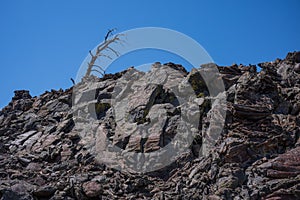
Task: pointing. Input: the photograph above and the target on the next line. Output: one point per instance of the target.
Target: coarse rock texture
(44, 154)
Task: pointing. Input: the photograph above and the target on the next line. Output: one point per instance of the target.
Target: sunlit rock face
(50, 147)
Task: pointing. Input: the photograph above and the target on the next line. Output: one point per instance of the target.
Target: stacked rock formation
(44, 153)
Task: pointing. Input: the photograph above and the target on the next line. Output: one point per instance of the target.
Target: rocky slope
(46, 151)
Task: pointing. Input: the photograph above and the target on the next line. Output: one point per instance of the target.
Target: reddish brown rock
(256, 156)
(92, 189)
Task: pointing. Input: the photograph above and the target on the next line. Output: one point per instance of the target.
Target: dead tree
(105, 45)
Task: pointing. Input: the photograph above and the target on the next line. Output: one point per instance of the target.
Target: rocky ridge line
(43, 156)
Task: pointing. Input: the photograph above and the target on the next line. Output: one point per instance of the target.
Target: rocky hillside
(50, 146)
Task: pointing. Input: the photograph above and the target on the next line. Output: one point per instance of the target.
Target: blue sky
(43, 43)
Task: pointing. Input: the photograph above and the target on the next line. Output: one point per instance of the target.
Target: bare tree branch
(94, 70)
(109, 33)
(99, 67)
(106, 56)
(100, 48)
(91, 53)
(117, 54)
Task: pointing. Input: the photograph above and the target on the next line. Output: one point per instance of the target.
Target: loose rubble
(44, 155)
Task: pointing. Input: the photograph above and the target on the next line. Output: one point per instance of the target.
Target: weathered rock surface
(44, 154)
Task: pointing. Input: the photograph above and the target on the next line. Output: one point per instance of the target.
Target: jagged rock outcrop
(47, 151)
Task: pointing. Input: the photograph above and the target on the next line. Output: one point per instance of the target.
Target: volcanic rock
(97, 139)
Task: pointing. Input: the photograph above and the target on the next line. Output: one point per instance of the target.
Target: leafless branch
(91, 53)
(104, 55)
(117, 54)
(100, 48)
(94, 70)
(99, 67)
(109, 33)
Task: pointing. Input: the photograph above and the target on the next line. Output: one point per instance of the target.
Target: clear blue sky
(43, 43)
